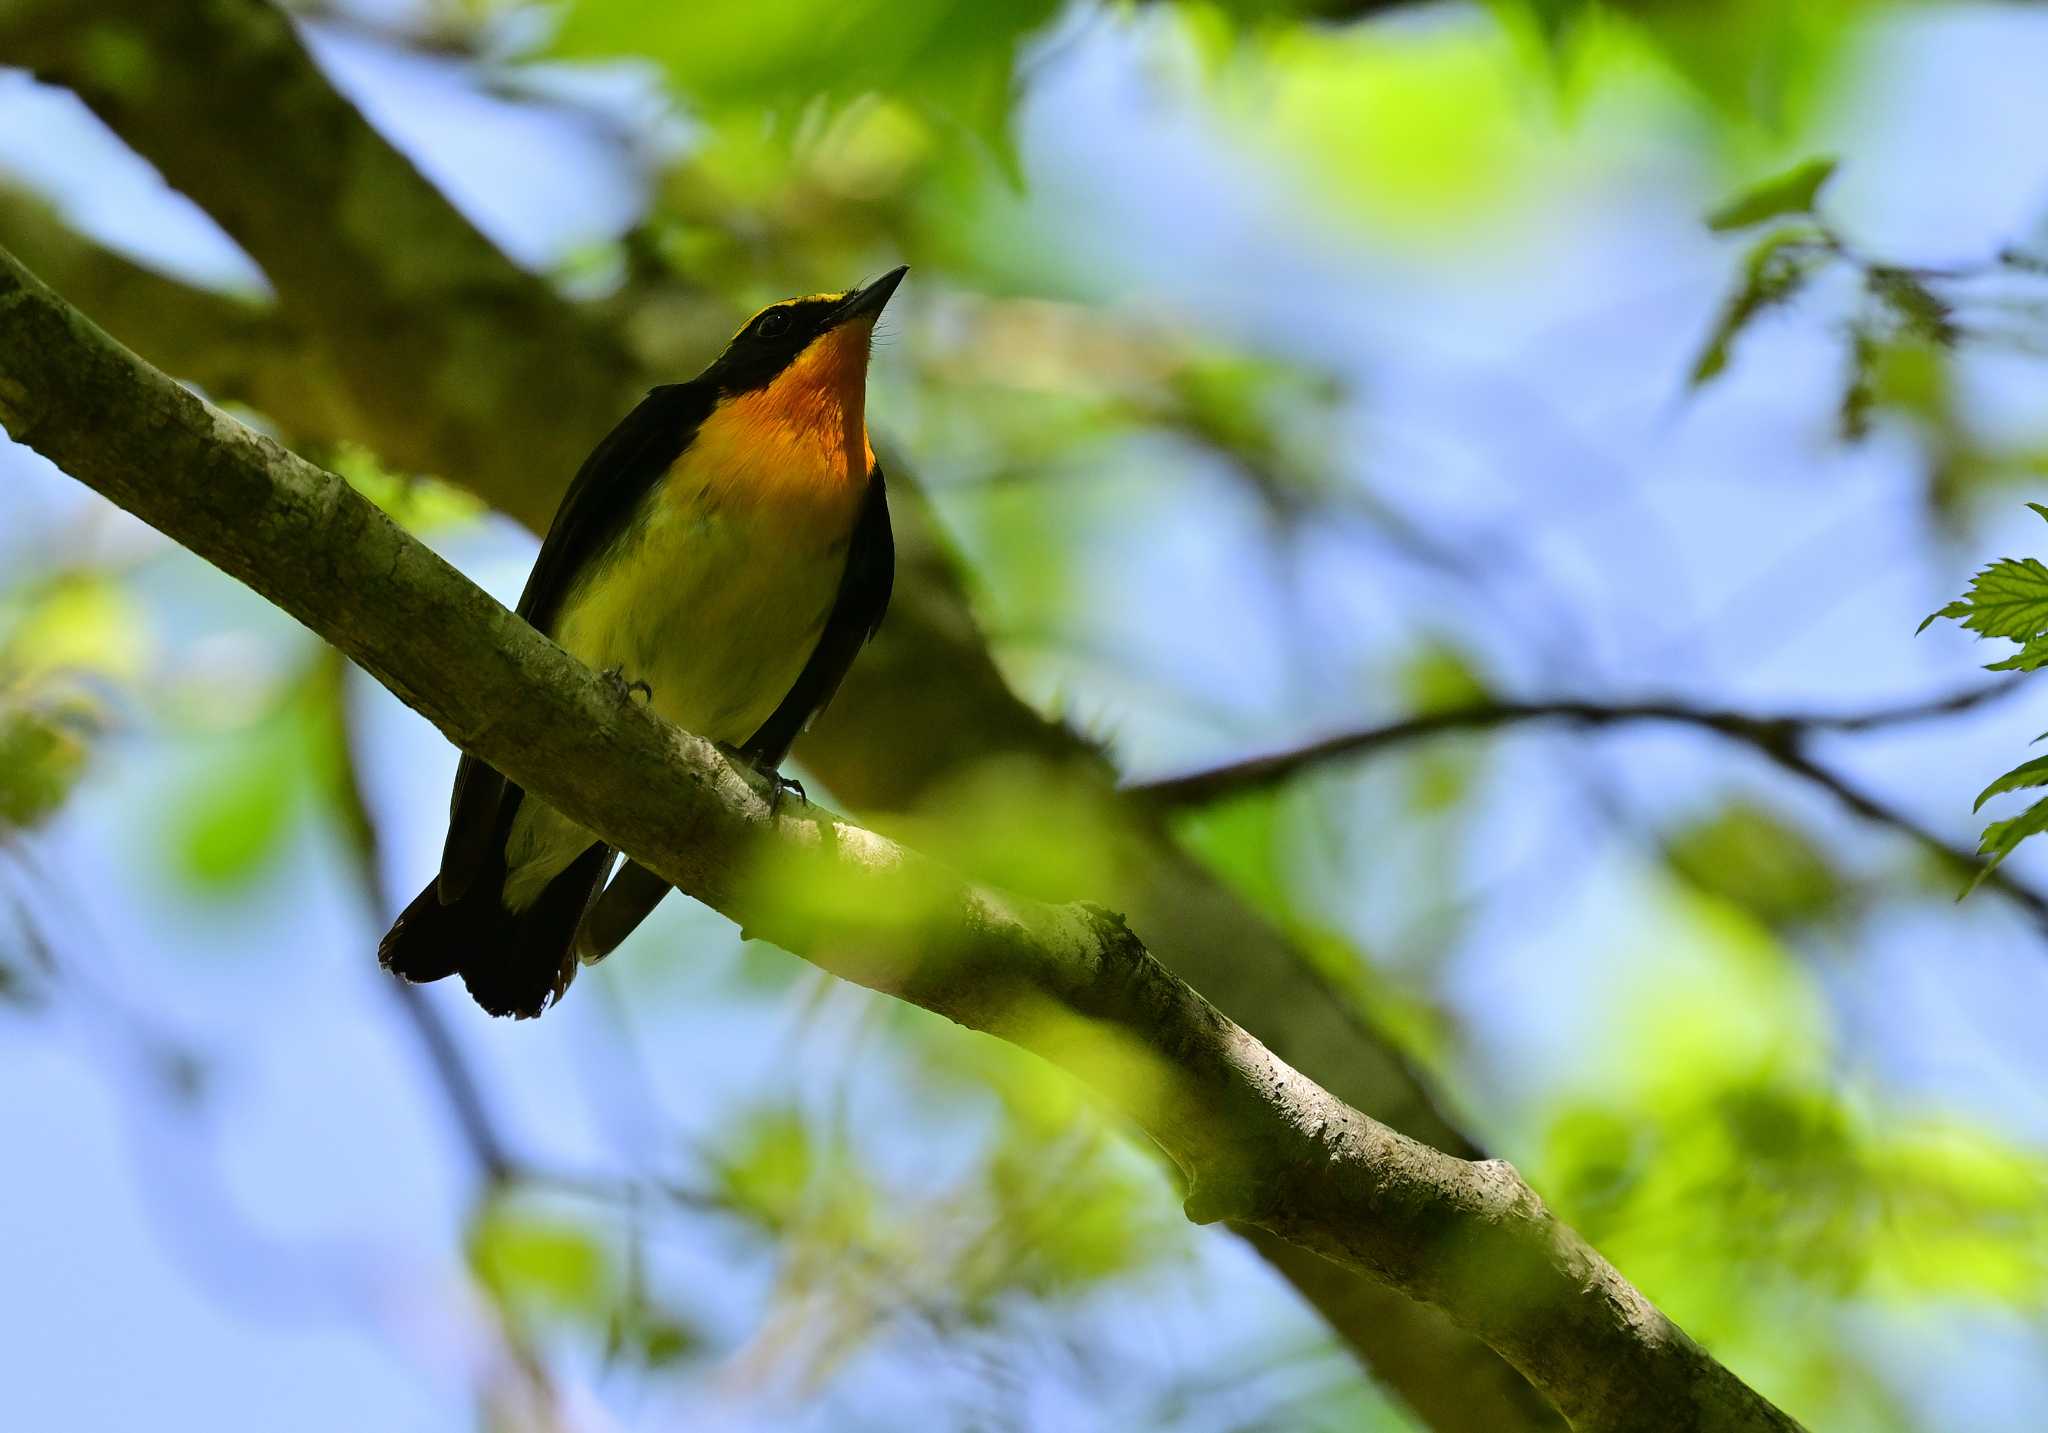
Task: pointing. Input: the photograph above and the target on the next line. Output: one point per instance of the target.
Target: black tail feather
(514, 963)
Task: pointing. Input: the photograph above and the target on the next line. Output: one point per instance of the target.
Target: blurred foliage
(1763, 1201)
(540, 1264)
(277, 763)
(1423, 129)
(1047, 1213)
(1762, 68)
(952, 62)
(1440, 676)
(1287, 852)
(1793, 192)
(545, 1268)
(1904, 330)
(423, 505)
(68, 642)
(42, 753)
(1749, 856)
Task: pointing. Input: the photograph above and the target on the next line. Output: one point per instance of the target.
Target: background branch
(1783, 738)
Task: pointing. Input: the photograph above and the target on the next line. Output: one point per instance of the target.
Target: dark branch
(1255, 773)
(1783, 738)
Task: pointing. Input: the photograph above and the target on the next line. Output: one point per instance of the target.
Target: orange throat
(802, 437)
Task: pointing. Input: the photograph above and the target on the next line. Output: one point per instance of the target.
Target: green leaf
(42, 754)
(77, 621)
(528, 1260)
(2001, 837)
(662, 1340)
(1792, 192)
(1918, 310)
(948, 61)
(421, 504)
(1245, 842)
(2027, 659)
(773, 1166)
(2026, 774)
(2007, 599)
(1440, 677)
(1753, 859)
(234, 821)
(1772, 274)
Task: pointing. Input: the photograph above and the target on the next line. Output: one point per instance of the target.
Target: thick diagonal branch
(1258, 1143)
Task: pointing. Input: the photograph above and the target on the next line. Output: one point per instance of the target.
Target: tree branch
(452, 1072)
(1784, 738)
(1257, 1142)
(1242, 777)
(487, 377)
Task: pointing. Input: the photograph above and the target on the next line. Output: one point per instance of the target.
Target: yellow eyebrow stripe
(791, 303)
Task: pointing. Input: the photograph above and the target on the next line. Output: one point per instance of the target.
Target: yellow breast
(719, 589)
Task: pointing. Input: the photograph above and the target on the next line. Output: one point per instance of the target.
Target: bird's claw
(779, 786)
(627, 690)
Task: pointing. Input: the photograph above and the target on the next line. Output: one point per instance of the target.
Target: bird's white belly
(716, 608)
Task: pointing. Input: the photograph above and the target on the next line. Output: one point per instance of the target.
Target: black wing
(606, 491)
(857, 611)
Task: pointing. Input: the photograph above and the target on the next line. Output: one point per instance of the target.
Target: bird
(724, 553)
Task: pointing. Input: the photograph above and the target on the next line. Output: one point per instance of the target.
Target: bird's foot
(780, 787)
(616, 676)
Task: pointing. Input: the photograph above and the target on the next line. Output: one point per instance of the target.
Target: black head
(773, 339)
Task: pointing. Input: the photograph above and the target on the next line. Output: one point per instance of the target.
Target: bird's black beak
(864, 303)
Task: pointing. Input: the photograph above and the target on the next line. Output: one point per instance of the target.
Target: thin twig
(456, 1081)
(1782, 737)
(1238, 778)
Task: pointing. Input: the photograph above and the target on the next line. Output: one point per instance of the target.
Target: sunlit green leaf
(2026, 774)
(772, 1166)
(1754, 859)
(43, 751)
(1241, 840)
(422, 505)
(232, 824)
(1773, 273)
(78, 621)
(238, 811)
(1918, 310)
(2008, 599)
(1792, 192)
(1439, 677)
(535, 1262)
(2000, 839)
(955, 62)
(1424, 128)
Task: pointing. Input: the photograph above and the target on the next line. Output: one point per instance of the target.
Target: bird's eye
(772, 324)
